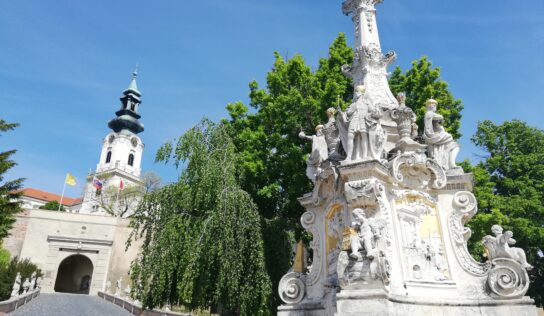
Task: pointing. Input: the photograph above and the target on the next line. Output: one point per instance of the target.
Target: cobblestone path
(61, 304)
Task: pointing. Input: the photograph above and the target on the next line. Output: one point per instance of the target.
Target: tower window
(132, 106)
(131, 160)
(108, 157)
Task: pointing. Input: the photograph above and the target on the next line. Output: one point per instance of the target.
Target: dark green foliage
(422, 82)
(8, 273)
(8, 208)
(52, 206)
(202, 236)
(509, 186)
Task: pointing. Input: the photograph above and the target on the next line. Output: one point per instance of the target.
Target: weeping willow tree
(202, 238)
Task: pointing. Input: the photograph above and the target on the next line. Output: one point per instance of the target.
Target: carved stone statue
(16, 285)
(442, 147)
(360, 128)
(119, 287)
(33, 281)
(498, 246)
(364, 236)
(26, 285)
(319, 153)
(332, 136)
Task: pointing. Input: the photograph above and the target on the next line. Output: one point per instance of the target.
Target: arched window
(133, 106)
(108, 157)
(130, 159)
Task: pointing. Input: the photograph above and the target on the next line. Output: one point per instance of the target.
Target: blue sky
(64, 64)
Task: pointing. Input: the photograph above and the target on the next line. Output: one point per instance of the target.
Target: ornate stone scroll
(464, 208)
(292, 288)
(416, 171)
(507, 279)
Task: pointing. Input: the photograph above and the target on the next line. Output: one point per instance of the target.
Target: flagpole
(62, 196)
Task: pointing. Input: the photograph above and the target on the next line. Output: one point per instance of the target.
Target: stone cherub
(364, 236)
(360, 130)
(498, 246)
(319, 153)
(16, 285)
(442, 147)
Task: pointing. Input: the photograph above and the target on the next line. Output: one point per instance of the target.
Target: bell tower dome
(121, 155)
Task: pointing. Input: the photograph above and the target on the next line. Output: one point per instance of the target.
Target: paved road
(60, 304)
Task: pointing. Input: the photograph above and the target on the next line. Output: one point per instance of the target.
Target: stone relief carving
(464, 208)
(366, 242)
(441, 145)
(414, 170)
(361, 259)
(360, 128)
(423, 248)
(319, 152)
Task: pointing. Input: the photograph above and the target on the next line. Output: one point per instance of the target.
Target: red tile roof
(48, 196)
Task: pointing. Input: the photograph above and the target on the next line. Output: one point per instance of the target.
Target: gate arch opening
(74, 275)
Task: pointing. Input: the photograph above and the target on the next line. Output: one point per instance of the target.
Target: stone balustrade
(136, 308)
(14, 303)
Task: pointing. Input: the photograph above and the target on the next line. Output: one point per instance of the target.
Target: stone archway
(74, 275)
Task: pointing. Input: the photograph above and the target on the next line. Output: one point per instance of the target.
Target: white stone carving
(16, 285)
(464, 208)
(507, 279)
(33, 281)
(442, 147)
(119, 288)
(332, 136)
(414, 170)
(292, 287)
(26, 286)
(318, 155)
(499, 246)
(360, 128)
(407, 127)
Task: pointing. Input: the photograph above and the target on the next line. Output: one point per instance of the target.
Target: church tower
(119, 166)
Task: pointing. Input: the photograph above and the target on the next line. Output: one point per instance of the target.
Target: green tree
(422, 82)
(9, 205)
(52, 206)
(272, 156)
(202, 237)
(509, 186)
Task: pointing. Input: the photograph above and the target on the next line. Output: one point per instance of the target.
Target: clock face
(134, 141)
(111, 138)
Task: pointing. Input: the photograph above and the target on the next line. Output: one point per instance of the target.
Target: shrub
(9, 273)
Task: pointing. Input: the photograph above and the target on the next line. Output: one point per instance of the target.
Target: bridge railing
(13, 303)
(134, 307)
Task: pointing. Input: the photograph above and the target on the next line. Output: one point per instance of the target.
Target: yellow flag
(70, 179)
